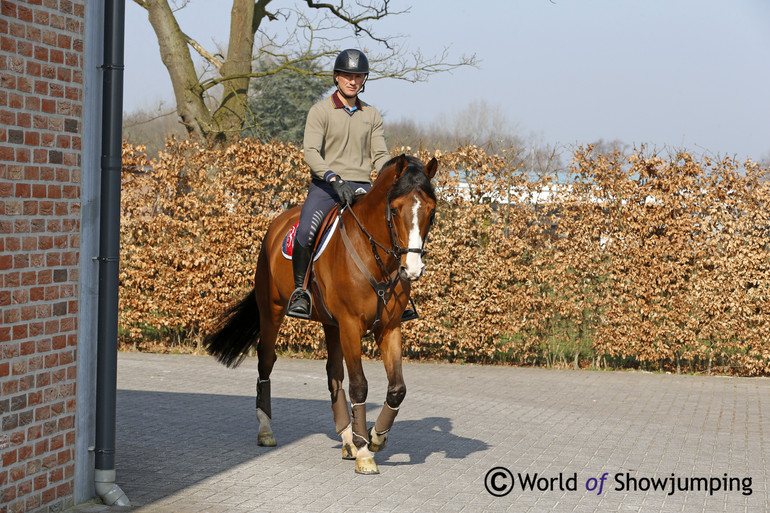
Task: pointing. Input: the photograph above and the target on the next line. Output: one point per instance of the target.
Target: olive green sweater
(349, 145)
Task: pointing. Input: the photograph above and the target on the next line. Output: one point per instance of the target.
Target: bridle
(383, 288)
(395, 242)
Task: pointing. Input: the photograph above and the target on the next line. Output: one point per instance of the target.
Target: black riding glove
(343, 190)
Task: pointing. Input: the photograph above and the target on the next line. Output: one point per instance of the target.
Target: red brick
(48, 495)
(39, 191)
(41, 482)
(26, 452)
(41, 95)
(42, 413)
(12, 315)
(17, 473)
(34, 398)
(10, 457)
(24, 488)
(65, 456)
(42, 448)
(64, 489)
(8, 9)
(34, 432)
(26, 348)
(35, 362)
(29, 208)
(28, 313)
(56, 474)
(20, 331)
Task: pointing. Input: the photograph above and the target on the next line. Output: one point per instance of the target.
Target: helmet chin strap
(346, 95)
(363, 86)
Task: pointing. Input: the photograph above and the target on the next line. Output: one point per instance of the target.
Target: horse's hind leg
(271, 316)
(336, 374)
(390, 347)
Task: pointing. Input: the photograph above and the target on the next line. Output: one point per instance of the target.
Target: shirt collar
(337, 102)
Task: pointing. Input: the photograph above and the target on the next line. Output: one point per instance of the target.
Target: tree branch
(190, 41)
(217, 63)
(356, 21)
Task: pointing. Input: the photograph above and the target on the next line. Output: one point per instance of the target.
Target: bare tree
(311, 35)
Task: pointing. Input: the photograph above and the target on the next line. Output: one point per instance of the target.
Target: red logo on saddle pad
(287, 247)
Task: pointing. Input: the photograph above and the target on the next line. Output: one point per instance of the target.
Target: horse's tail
(237, 331)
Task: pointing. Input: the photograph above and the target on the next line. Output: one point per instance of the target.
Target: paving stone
(187, 442)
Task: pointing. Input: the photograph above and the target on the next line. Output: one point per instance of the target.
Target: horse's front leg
(350, 340)
(390, 347)
(335, 373)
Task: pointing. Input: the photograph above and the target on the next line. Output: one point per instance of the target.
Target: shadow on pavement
(167, 442)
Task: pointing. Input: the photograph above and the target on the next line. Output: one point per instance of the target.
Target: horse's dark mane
(412, 178)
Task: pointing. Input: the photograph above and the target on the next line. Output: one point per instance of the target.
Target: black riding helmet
(352, 61)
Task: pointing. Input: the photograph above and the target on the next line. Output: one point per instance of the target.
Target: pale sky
(670, 74)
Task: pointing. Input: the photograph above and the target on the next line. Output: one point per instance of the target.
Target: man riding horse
(344, 140)
(380, 240)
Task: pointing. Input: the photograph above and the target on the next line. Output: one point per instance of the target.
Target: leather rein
(383, 288)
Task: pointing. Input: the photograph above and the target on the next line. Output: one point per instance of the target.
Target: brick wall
(41, 102)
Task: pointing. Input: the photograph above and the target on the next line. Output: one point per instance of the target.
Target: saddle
(327, 229)
(325, 232)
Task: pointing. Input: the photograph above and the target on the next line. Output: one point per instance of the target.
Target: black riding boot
(301, 301)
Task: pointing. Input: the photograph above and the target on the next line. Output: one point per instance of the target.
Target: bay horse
(360, 283)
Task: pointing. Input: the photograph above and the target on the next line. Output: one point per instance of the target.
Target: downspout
(109, 254)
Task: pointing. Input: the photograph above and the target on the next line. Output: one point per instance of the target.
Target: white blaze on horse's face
(414, 266)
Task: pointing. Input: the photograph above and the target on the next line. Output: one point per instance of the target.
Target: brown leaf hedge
(638, 261)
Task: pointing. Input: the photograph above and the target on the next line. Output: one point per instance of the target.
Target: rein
(381, 287)
(384, 288)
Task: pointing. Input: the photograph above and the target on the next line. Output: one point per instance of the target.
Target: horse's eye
(393, 211)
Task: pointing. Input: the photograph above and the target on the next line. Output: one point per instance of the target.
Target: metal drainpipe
(109, 253)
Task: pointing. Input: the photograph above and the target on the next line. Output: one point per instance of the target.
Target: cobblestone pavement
(187, 441)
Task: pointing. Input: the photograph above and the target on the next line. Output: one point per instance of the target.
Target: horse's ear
(400, 164)
(431, 168)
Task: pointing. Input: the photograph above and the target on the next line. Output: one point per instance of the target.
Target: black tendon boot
(300, 302)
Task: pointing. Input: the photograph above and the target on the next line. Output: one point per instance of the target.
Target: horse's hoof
(378, 442)
(266, 440)
(349, 452)
(366, 466)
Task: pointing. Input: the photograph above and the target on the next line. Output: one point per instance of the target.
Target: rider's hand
(343, 190)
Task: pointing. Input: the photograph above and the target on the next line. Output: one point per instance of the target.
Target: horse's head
(410, 210)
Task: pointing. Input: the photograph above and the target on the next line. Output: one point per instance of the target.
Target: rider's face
(349, 84)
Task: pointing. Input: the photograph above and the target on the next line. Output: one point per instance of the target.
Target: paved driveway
(563, 441)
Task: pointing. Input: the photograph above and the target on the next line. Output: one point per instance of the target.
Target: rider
(344, 138)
